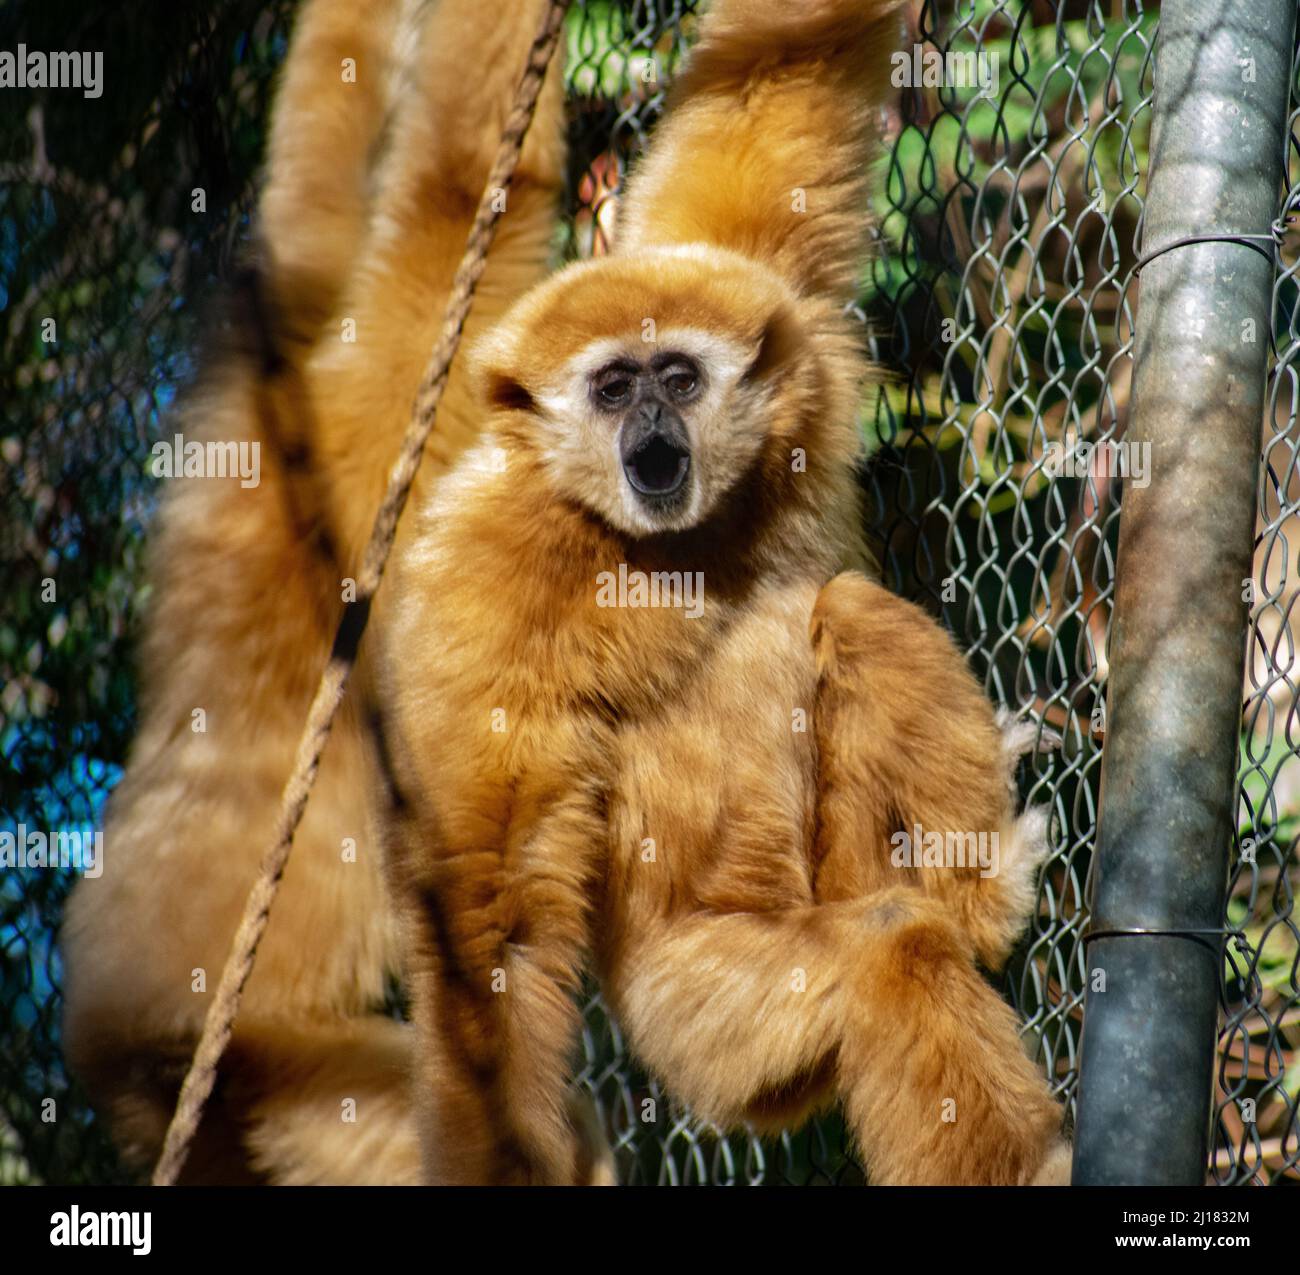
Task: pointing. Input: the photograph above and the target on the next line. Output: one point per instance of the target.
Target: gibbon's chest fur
(618, 752)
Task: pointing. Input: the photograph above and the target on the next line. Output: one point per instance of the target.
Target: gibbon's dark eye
(683, 383)
(615, 391)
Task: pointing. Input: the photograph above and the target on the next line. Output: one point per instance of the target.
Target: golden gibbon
(386, 121)
(697, 802)
(640, 720)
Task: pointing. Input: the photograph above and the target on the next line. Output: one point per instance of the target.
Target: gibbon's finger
(335, 93)
(784, 99)
(762, 1018)
(896, 706)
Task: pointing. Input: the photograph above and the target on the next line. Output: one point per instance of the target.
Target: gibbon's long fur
(698, 802)
(371, 188)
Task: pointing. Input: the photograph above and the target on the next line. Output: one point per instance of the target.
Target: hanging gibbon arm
(765, 144)
(335, 97)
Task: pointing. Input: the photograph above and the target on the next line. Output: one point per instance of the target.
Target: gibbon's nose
(654, 450)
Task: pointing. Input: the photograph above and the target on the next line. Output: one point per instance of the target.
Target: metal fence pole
(1178, 632)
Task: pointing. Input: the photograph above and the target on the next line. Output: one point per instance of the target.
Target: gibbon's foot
(1055, 1169)
(1026, 844)
(326, 1104)
(595, 1157)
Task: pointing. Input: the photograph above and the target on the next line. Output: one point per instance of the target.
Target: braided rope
(219, 1023)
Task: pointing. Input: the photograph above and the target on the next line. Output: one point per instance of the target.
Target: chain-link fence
(1001, 300)
(1257, 1113)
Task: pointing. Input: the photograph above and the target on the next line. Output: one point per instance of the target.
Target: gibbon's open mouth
(658, 466)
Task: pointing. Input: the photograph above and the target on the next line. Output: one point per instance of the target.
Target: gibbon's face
(647, 386)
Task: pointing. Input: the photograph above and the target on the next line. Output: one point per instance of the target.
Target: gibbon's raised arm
(325, 135)
(766, 141)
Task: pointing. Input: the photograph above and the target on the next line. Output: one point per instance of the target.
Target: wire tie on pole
(1274, 237)
(1198, 935)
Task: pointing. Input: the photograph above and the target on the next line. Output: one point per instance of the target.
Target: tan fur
(926, 751)
(371, 188)
(575, 785)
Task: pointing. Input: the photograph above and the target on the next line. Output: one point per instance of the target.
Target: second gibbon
(371, 185)
(574, 784)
